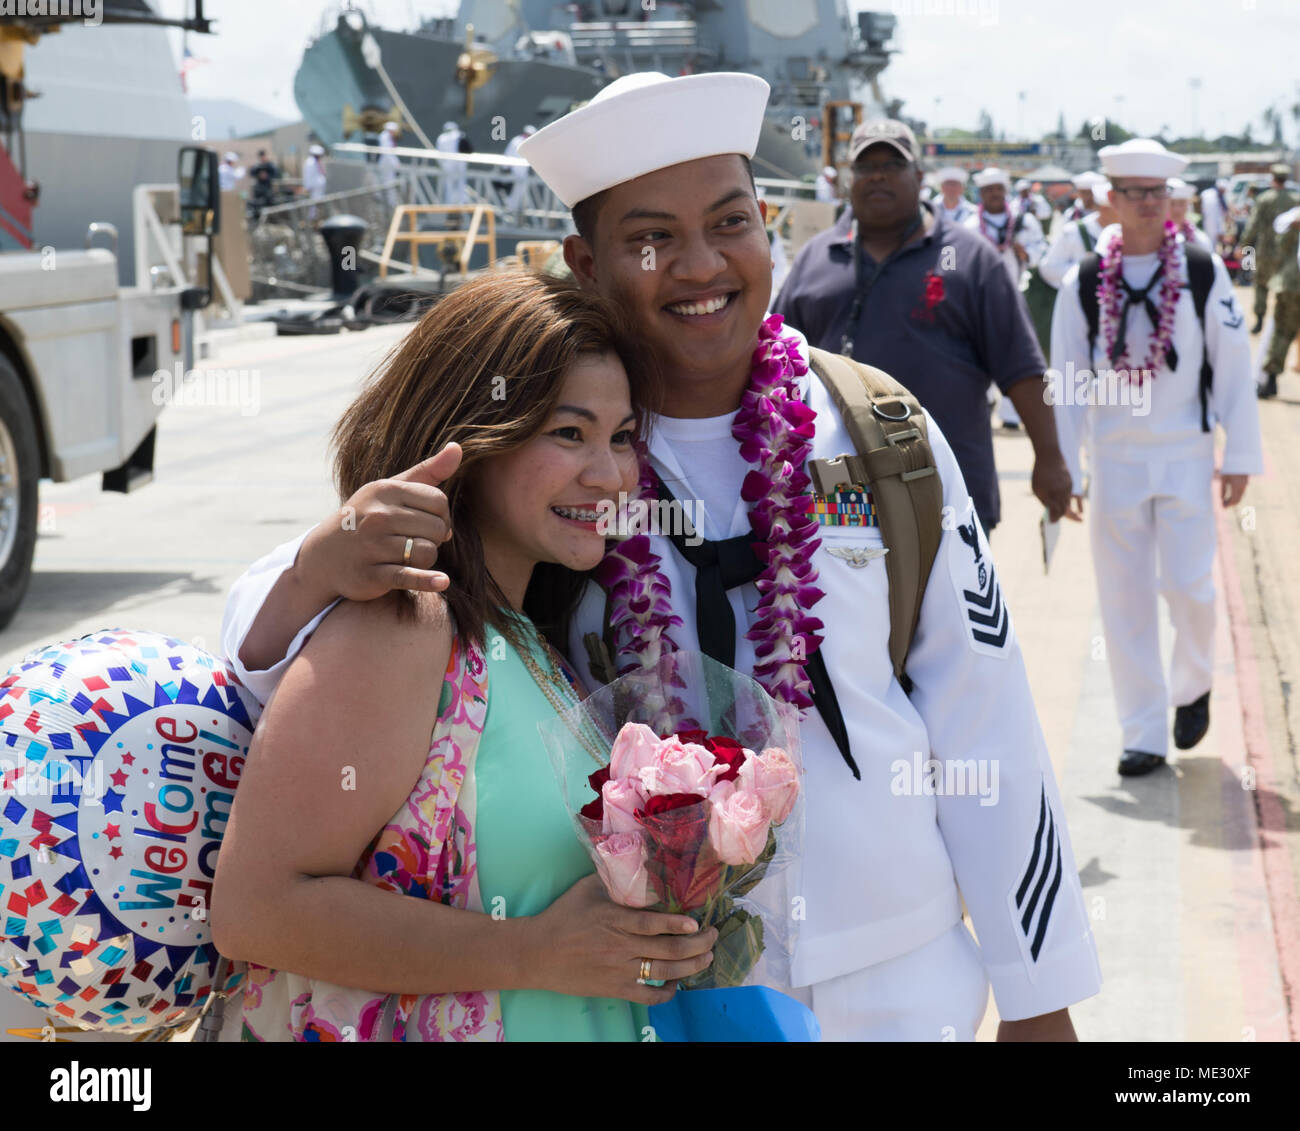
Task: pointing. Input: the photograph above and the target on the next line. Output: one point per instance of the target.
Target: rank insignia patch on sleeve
(987, 619)
(1034, 895)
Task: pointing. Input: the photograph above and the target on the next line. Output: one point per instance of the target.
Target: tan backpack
(895, 460)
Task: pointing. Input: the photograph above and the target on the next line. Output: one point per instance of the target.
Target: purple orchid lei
(1109, 302)
(775, 429)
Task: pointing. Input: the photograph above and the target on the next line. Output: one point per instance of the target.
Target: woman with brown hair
(399, 756)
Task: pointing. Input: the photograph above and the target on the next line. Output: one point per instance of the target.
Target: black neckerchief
(864, 282)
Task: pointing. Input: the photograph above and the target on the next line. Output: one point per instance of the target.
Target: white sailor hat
(392, 126)
(830, 172)
(992, 176)
(1022, 184)
(1179, 189)
(317, 150)
(645, 122)
(231, 155)
(952, 173)
(1087, 180)
(449, 125)
(1140, 157)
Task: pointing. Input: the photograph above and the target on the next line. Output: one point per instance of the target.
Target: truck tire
(19, 476)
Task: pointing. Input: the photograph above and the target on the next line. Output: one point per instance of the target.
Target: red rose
(699, 737)
(726, 752)
(667, 803)
(678, 830)
(594, 810)
(598, 780)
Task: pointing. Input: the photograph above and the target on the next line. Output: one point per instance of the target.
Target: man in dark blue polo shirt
(930, 303)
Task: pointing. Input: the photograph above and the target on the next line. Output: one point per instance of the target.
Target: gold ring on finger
(645, 972)
(406, 553)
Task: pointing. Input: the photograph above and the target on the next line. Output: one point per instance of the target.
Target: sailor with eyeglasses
(1142, 384)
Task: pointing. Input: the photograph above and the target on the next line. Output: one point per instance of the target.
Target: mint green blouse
(528, 849)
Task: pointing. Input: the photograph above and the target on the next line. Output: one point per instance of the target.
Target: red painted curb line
(1259, 751)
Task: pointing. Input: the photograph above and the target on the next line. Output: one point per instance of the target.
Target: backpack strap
(1089, 272)
(894, 457)
(1200, 277)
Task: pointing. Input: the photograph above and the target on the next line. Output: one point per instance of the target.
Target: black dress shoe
(1133, 763)
(1268, 388)
(1259, 325)
(1191, 722)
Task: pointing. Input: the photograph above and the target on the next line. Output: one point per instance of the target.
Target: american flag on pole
(188, 62)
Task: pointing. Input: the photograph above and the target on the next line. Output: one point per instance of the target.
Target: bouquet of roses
(696, 808)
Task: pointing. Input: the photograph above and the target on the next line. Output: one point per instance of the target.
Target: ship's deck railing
(632, 34)
(288, 253)
(430, 177)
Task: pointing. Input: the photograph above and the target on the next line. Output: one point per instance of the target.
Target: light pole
(1020, 116)
(1195, 84)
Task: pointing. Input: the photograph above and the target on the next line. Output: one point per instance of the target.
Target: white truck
(78, 356)
(78, 352)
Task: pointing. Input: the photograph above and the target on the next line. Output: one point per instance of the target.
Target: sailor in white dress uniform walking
(1151, 445)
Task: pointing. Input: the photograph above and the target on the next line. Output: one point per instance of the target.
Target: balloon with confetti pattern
(120, 753)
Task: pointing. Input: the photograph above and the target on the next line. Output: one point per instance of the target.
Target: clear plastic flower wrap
(685, 783)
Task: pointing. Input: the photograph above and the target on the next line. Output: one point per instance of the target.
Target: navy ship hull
(810, 51)
(334, 76)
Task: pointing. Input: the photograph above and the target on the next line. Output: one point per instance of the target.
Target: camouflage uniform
(1286, 306)
(1259, 234)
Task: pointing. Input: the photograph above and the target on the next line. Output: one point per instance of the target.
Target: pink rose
(680, 767)
(622, 799)
(774, 777)
(738, 828)
(722, 789)
(621, 860)
(635, 747)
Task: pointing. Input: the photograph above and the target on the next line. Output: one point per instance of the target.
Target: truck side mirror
(200, 191)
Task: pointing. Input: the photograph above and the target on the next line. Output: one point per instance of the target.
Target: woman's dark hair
(484, 369)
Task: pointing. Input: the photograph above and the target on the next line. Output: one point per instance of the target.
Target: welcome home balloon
(119, 757)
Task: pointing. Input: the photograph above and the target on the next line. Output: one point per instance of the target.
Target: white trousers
(1152, 531)
(937, 992)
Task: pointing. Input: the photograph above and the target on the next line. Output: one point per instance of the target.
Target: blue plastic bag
(739, 1014)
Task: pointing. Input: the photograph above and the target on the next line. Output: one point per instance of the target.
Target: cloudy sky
(1133, 60)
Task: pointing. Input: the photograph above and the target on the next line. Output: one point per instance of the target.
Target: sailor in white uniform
(1213, 212)
(828, 186)
(952, 186)
(1084, 201)
(1181, 195)
(1017, 235)
(519, 174)
(455, 174)
(229, 171)
(882, 952)
(389, 162)
(1028, 200)
(313, 177)
(1078, 237)
(1151, 453)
